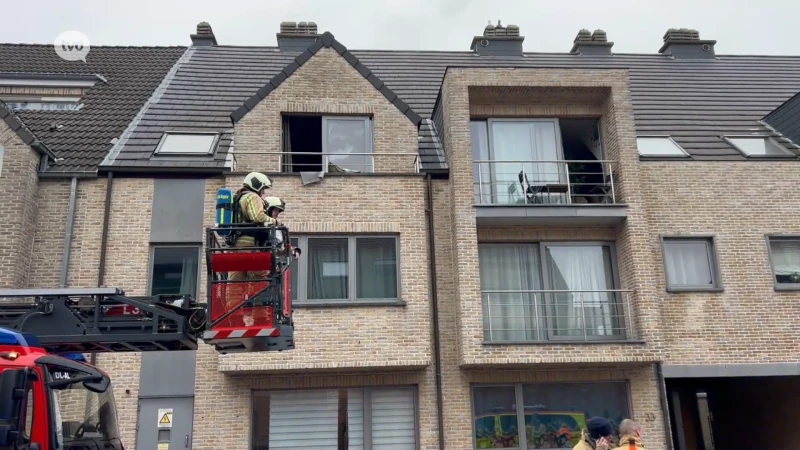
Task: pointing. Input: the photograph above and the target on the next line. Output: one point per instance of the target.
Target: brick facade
(391, 345)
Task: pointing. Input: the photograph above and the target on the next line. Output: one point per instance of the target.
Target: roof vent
(685, 43)
(588, 43)
(204, 36)
(296, 37)
(498, 40)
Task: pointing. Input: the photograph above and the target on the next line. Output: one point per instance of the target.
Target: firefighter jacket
(253, 210)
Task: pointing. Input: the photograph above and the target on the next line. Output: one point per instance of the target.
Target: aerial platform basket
(249, 304)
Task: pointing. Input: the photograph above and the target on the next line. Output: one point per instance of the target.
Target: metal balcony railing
(557, 315)
(543, 182)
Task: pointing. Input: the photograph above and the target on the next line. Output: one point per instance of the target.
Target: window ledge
(568, 342)
(792, 288)
(694, 290)
(347, 304)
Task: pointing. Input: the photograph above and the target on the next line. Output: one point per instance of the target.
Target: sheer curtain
(687, 263)
(376, 268)
(581, 268)
(510, 267)
(481, 172)
(189, 273)
(524, 141)
(785, 259)
(327, 267)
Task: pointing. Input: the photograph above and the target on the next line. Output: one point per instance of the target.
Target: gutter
(662, 397)
(73, 193)
(101, 270)
(435, 309)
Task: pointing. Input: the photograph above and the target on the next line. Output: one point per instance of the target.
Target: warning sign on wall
(165, 418)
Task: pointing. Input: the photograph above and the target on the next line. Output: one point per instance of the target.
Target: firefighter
(275, 206)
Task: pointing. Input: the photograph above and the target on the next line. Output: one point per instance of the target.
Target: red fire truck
(51, 399)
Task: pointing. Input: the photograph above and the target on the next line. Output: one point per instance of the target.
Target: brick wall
(19, 183)
(325, 84)
(739, 203)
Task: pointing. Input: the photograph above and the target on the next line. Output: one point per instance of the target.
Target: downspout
(437, 360)
(101, 271)
(662, 397)
(73, 193)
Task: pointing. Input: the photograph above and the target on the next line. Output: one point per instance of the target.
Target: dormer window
(757, 146)
(189, 144)
(45, 92)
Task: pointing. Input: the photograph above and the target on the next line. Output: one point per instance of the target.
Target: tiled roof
(22, 131)
(84, 137)
(693, 100)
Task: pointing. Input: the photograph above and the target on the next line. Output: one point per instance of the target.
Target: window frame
(710, 241)
(367, 405)
(369, 138)
(3, 157)
(545, 322)
(159, 151)
(685, 154)
(730, 138)
(302, 300)
(151, 264)
(780, 237)
(519, 399)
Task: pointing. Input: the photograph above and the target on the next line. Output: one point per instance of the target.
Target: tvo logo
(72, 46)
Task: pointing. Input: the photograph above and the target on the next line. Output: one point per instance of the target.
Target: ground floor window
(552, 414)
(374, 418)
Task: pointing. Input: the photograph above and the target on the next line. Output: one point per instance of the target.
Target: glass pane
(658, 146)
(555, 413)
(175, 270)
(786, 260)
(343, 138)
(495, 421)
(187, 143)
(481, 173)
(510, 279)
(758, 147)
(294, 272)
(587, 307)
(376, 268)
(327, 269)
(687, 263)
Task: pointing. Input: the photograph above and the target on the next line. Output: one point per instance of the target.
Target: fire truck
(51, 399)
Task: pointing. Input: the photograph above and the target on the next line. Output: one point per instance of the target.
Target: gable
(326, 41)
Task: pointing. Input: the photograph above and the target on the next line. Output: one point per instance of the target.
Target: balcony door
(581, 302)
(529, 146)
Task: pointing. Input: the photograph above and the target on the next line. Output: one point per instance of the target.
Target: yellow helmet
(274, 202)
(257, 181)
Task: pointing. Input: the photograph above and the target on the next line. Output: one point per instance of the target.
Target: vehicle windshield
(85, 419)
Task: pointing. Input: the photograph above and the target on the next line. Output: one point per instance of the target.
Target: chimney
(498, 40)
(592, 44)
(204, 36)
(686, 44)
(296, 37)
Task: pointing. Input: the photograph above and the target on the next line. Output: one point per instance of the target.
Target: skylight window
(187, 144)
(662, 146)
(757, 146)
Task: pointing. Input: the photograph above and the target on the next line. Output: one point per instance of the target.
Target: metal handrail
(617, 313)
(368, 167)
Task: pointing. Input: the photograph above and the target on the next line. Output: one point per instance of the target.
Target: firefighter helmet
(274, 202)
(257, 181)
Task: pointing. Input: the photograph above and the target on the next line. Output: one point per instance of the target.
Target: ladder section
(77, 320)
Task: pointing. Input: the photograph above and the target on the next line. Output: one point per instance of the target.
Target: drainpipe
(73, 192)
(662, 397)
(101, 271)
(437, 360)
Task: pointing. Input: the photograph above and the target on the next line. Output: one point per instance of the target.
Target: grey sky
(739, 26)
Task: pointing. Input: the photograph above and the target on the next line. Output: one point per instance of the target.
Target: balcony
(538, 316)
(546, 192)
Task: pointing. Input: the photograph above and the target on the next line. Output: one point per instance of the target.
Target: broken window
(327, 144)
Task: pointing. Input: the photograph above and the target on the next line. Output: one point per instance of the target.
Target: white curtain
(529, 142)
(510, 316)
(189, 273)
(328, 269)
(785, 257)
(581, 268)
(687, 263)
